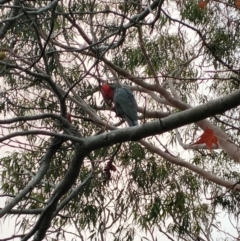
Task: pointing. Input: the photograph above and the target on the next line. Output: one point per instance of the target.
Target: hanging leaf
(202, 4)
(207, 138)
(107, 170)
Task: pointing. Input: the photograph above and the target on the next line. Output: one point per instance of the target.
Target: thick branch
(168, 123)
(69, 179)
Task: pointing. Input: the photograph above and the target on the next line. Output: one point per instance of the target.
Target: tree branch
(45, 162)
(9, 24)
(44, 221)
(168, 123)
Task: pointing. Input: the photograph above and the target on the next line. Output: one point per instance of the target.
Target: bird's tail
(131, 122)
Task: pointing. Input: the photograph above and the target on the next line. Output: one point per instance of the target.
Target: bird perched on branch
(125, 104)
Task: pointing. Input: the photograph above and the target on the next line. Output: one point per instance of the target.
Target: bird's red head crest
(107, 92)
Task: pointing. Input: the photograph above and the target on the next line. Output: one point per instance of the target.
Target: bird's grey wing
(125, 104)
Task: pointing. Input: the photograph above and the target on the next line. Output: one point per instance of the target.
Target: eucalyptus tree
(72, 169)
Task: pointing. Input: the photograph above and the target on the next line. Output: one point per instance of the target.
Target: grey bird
(124, 101)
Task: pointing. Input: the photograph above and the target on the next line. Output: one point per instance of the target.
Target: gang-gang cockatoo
(124, 101)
